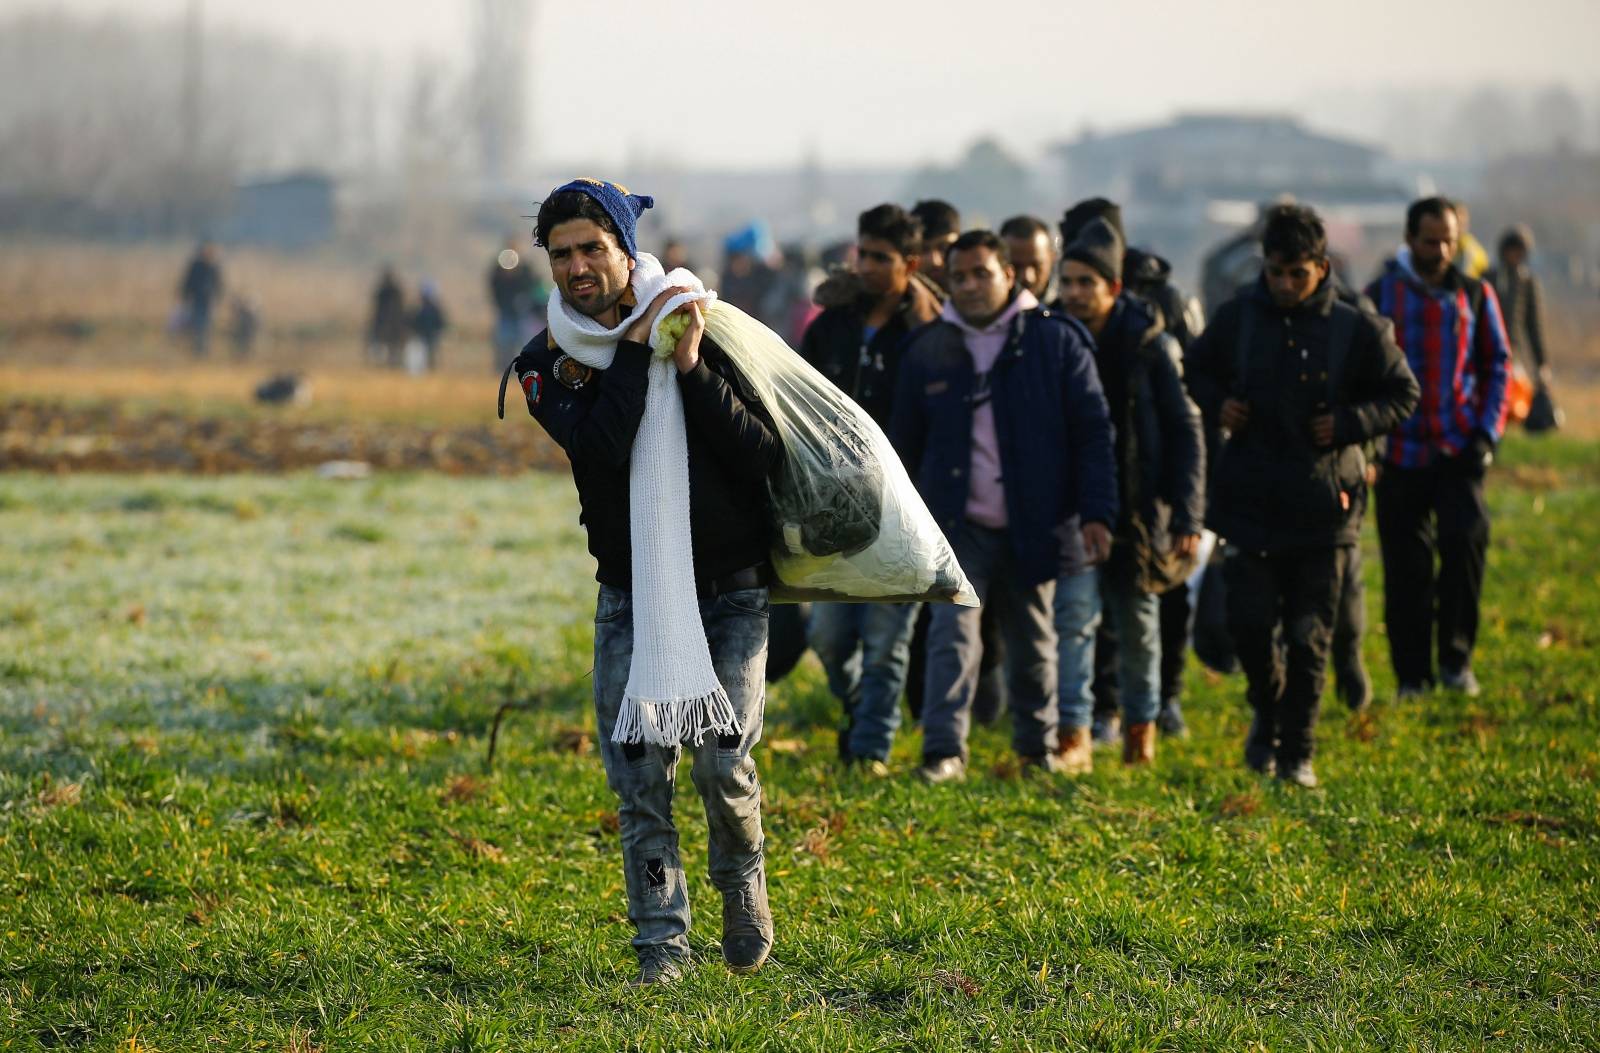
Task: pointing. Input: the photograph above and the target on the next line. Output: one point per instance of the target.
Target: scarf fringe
(672, 695)
(675, 721)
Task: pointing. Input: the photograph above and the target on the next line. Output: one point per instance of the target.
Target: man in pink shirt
(1001, 421)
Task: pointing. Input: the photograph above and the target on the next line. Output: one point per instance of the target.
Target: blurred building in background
(291, 213)
(1186, 184)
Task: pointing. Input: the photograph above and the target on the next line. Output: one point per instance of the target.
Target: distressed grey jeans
(643, 776)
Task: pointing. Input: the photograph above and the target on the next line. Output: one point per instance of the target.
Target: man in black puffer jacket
(1160, 454)
(1300, 380)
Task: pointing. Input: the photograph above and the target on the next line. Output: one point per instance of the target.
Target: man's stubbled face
(588, 265)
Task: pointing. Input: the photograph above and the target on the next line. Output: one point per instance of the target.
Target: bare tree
(434, 150)
(498, 84)
(154, 121)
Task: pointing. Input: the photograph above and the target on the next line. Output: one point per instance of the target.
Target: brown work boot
(1139, 742)
(747, 925)
(1075, 755)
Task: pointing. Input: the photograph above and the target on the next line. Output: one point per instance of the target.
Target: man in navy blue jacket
(1000, 419)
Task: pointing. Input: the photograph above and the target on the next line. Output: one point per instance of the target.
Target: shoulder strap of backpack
(1340, 340)
(1242, 350)
(1474, 287)
(1469, 325)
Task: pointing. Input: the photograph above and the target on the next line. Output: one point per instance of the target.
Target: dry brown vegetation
(339, 393)
(98, 306)
(52, 282)
(91, 379)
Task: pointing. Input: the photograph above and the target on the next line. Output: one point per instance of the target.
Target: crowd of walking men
(1073, 447)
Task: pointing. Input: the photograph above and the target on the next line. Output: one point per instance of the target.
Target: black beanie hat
(1078, 216)
(1098, 245)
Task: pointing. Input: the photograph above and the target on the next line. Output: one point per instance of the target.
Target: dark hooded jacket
(835, 343)
(1273, 489)
(202, 283)
(1522, 305)
(1149, 277)
(1160, 447)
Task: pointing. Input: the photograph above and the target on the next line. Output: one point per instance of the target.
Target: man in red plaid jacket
(1430, 495)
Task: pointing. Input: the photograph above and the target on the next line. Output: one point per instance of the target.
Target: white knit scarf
(673, 695)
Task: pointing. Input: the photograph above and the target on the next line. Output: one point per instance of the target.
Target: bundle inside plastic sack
(847, 522)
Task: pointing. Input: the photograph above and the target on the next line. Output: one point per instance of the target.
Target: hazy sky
(857, 81)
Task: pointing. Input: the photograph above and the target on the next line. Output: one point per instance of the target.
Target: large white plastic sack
(848, 523)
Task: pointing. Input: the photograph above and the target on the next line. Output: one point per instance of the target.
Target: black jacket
(428, 321)
(512, 290)
(1141, 370)
(1149, 277)
(733, 448)
(864, 369)
(1272, 488)
(1522, 306)
(202, 283)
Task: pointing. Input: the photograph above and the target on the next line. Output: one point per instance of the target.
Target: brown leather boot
(1075, 755)
(1139, 743)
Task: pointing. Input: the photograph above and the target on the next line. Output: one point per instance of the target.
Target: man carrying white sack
(643, 435)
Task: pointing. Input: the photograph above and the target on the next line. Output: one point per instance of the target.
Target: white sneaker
(945, 769)
(1462, 680)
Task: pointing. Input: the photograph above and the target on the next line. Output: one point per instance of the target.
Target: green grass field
(243, 805)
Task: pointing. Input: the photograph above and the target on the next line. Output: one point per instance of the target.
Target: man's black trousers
(1422, 511)
(1297, 591)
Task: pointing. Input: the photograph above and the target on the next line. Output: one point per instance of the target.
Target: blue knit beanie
(623, 208)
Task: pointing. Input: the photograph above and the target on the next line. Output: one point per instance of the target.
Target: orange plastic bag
(1519, 395)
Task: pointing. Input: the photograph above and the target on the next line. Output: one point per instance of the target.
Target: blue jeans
(1077, 612)
(866, 650)
(1136, 618)
(642, 775)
